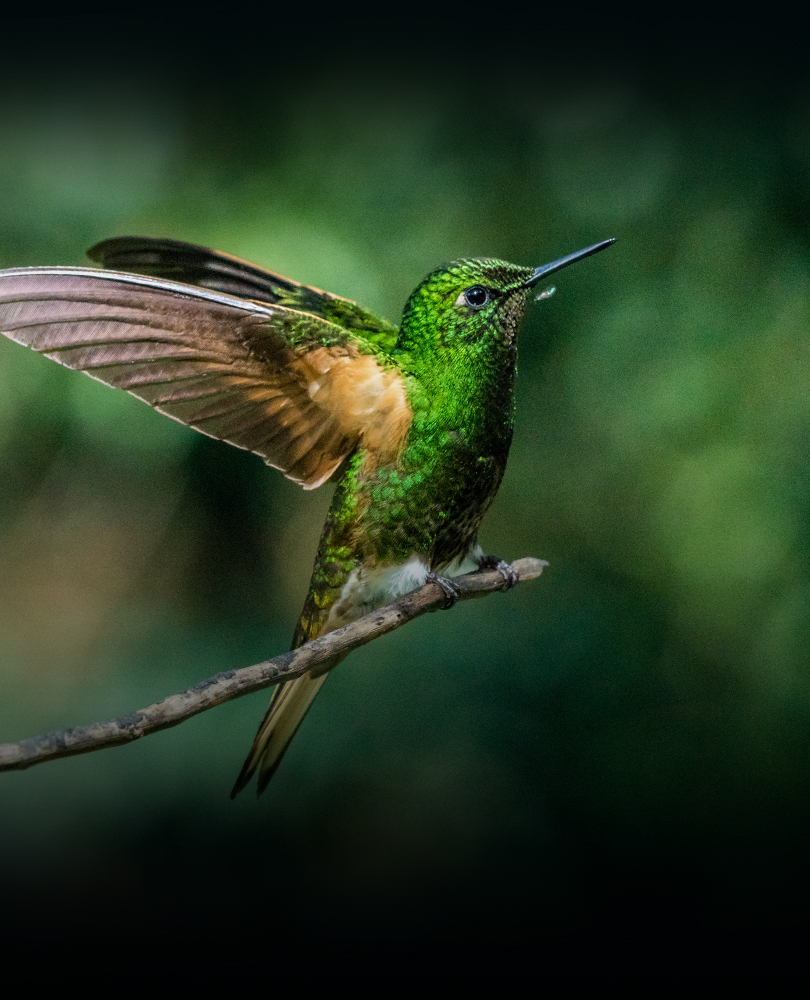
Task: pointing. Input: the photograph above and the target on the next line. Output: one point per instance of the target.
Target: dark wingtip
(96, 252)
(102, 252)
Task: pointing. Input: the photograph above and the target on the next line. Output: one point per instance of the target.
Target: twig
(235, 683)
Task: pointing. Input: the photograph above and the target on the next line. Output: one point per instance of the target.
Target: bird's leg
(507, 570)
(449, 589)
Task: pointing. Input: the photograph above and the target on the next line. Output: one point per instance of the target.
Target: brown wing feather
(196, 265)
(287, 385)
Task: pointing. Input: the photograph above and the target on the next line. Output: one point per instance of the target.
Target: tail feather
(293, 703)
(291, 700)
(288, 706)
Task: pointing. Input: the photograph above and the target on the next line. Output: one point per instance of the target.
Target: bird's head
(473, 306)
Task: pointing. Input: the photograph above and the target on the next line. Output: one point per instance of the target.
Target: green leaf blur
(639, 716)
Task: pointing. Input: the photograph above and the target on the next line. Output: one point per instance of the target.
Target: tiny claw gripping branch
(447, 586)
(507, 570)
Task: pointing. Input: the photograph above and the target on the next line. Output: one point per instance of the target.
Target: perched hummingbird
(413, 424)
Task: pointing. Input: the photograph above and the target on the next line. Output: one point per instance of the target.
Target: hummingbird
(412, 424)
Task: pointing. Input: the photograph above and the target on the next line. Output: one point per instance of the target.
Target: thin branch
(235, 683)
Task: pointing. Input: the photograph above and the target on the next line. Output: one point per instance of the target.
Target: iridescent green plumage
(458, 366)
(413, 425)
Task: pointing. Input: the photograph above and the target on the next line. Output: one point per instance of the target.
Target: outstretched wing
(292, 387)
(195, 265)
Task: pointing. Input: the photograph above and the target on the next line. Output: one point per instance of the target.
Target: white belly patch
(367, 589)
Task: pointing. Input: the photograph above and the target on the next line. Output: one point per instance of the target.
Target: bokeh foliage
(626, 736)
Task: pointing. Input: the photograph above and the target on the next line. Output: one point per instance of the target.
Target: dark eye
(476, 296)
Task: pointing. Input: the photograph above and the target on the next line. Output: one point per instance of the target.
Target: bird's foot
(507, 570)
(449, 589)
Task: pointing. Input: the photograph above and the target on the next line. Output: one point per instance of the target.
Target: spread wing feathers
(195, 265)
(291, 387)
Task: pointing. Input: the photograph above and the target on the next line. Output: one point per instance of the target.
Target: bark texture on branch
(235, 683)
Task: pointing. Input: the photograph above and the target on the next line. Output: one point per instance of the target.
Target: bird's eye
(476, 296)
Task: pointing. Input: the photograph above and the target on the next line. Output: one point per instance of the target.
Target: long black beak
(572, 258)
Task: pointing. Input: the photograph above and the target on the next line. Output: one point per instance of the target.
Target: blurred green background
(619, 749)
